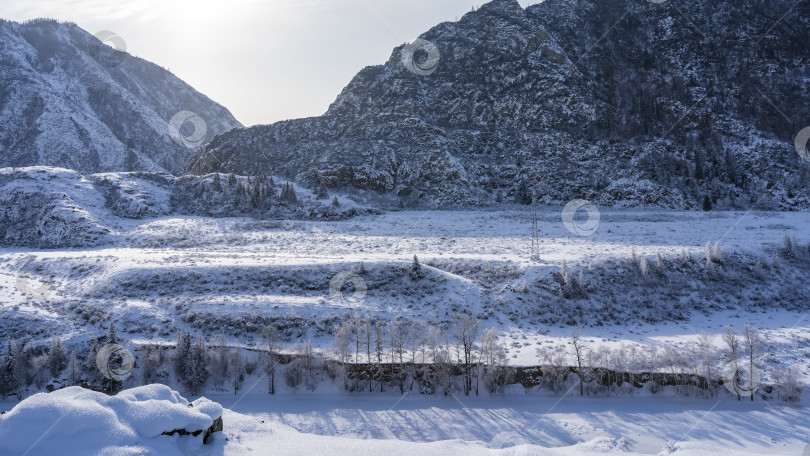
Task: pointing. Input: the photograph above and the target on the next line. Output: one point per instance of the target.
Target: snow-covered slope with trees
(52, 207)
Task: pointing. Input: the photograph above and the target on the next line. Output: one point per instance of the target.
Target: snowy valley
(573, 227)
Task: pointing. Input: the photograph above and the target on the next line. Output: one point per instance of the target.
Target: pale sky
(265, 60)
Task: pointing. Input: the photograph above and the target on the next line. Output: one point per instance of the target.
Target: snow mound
(79, 421)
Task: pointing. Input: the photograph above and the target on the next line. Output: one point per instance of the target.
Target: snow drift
(81, 422)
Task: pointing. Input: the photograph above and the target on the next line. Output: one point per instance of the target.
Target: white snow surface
(78, 422)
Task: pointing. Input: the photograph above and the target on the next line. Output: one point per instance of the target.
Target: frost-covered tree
(218, 364)
(554, 367)
(707, 362)
(787, 384)
(343, 348)
(151, 364)
(493, 359)
(376, 370)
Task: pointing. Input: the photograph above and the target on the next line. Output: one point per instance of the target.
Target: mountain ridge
(562, 99)
(69, 100)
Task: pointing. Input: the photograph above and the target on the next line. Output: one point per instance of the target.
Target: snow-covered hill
(69, 100)
(53, 207)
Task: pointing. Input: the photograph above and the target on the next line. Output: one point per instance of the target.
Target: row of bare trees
(403, 352)
(369, 354)
(700, 368)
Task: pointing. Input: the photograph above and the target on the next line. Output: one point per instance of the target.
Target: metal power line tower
(535, 237)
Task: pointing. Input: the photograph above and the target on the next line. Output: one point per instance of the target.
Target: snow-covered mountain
(621, 102)
(69, 100)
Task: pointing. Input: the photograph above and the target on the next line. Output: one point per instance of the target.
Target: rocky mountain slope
(689, 105)
(71, 101)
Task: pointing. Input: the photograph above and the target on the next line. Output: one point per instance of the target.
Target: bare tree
(732, 340)
(379, 351)
(343, 348)
(398, 336)
(465, 328)
(707, 359)
(579, 351)
(236, 369)
(272, 339)
(753, 347)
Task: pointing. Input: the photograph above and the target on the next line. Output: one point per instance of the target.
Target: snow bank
(81, 422)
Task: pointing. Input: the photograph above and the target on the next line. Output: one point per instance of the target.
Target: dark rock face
(619, 102)
(68, 100)
(216, 426)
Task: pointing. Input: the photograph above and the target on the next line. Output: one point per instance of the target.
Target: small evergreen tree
(416, 269)
(288, 194)
(112, 337)
(196, 367)
(57, 358)
(74, 369)
(94, 376)
(707, 203)
(182, 355)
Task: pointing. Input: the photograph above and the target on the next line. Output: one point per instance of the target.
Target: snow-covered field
(161, 271)
(332, 422)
